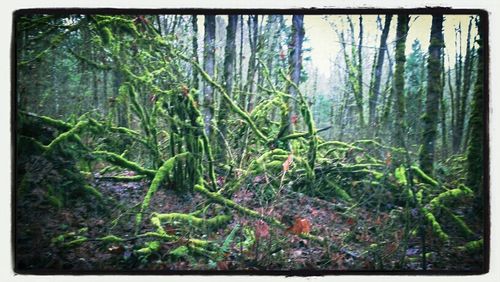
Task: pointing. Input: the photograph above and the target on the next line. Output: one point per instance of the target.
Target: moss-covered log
(246, 211)
(122, 162)
(160, 175)
(424, 177)
(214, 222)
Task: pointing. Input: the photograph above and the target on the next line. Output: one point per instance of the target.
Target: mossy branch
(160, 175)
(237, 109)
(64, 136)
(216, 197)
(213, 222)
(424, 177)
(122, 162)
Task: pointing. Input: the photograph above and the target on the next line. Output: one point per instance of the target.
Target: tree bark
(475, 149)
(229, 69)
(375, 91)
(399, 82)
(295, 65)
(196, 83)
(434, 89)
(209, 67)
(253, 30)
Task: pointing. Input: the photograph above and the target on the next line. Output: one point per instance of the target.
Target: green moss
(65, 136)
(122, 162)
(213, 222)
(436, 227)
(462, 226)
(473, 246)
(451, 195)
(179, 251)
(149, 248)
(93, 191)
(76, 242)
(339, 192)
(249, 241)
(339, 144)
(111, 239)
(160, 175)
(424, 177)
(400, 174)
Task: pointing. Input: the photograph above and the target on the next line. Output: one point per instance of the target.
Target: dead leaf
(300, 226)
(261, 229)
(222, 265)
(287, 163)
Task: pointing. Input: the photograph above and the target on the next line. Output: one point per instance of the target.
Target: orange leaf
(300, 226)
(287, 163)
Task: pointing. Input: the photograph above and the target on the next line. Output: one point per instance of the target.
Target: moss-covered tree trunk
(295, 65)
(475, 150)
(375, 91)
(434, 89)
(463, 86)
(229, 69)
(209, 67)
(399, 82)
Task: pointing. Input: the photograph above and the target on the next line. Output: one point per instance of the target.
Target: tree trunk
(295, 64)
(399, 82)
(467, 72)
(105, 104)
(253, 29)
(229, 69)
(375, 91)
(360, 75)
(434, 89)
(475, 149)
(209, 67)
(194, 23)
(442, 103)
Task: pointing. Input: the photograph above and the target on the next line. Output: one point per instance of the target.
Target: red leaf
(294, 119)
(261, 229)
(351, 221)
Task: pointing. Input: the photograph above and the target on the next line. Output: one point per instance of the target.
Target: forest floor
(350, 232)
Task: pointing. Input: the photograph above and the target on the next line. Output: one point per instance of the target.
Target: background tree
(399, 82)
(434, 89)
(229, 70)
(209, 67)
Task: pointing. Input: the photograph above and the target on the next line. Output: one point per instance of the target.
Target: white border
(8, 7)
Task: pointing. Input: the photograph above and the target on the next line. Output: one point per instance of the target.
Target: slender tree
(229, 69)
(194, 24)
(253, 31)
(434, 89)
(209, 66)
(399, 81)
(375, 91)
(295, 62)
(475, 149)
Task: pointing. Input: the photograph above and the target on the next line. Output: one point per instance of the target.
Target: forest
(250, 142)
